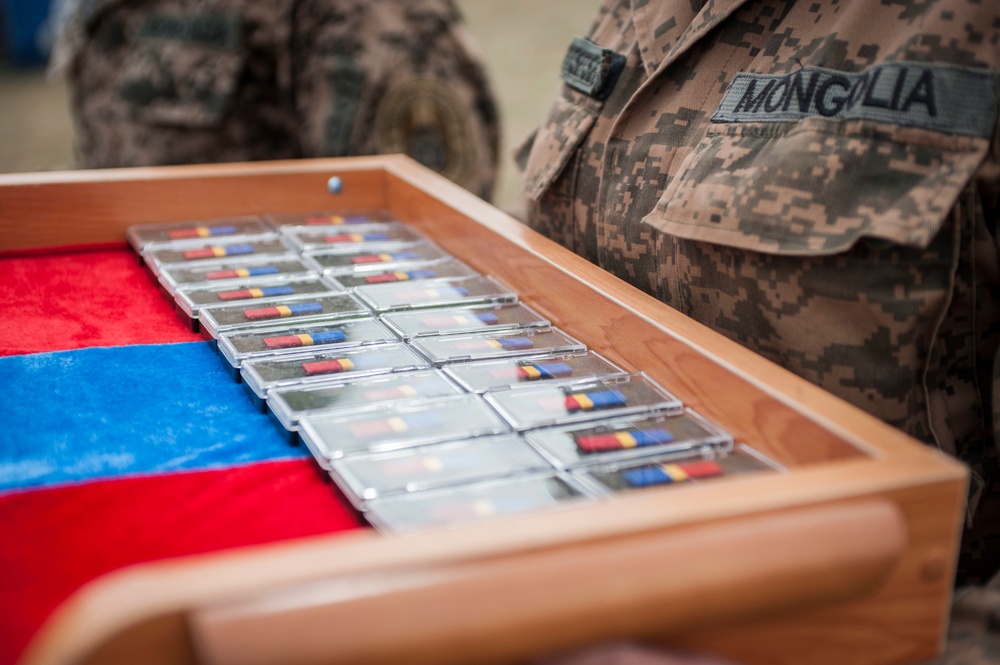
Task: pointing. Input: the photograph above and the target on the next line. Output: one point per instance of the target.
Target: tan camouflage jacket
(189, 81)
(817, 180)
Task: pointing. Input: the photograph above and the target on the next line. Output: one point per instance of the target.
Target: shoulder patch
(426, 119)
(945, 98)
(591, 69)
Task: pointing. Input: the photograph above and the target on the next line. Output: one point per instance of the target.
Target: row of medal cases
(430, 394)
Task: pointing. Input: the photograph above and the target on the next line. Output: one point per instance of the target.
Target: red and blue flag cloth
(124, 439)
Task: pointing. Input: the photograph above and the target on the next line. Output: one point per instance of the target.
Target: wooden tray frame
(848, 558)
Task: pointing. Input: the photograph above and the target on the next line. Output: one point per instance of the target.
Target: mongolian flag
(124, 439)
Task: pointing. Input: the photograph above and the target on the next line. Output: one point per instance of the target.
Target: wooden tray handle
(505, 609)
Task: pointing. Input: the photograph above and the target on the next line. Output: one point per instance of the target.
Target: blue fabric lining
(98, 413)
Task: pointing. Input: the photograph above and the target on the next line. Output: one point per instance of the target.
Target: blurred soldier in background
(167, 82)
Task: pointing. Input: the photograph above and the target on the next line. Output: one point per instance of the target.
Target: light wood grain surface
(846, 558)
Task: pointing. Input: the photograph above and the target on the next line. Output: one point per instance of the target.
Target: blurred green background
(522, 41)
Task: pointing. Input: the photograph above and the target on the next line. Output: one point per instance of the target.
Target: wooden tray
(847, 558)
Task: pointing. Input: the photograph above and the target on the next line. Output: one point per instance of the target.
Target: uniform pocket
(183, 70)
(568, 122)
(839, 250)
(816, 187)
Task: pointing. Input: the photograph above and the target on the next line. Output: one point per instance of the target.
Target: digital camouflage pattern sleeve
(820, 182)
(166, 82)
(974, 629)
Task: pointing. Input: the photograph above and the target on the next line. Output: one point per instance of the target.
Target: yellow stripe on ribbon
(432, 464)
(676, 473)
(532, 372)
(626, 439)
(483, 507)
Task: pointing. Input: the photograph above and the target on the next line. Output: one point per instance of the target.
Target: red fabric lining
(81, 299)
(57, 540)
(62, 249)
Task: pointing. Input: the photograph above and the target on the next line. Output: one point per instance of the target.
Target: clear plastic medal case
(630, 437)
(189, 300)
(502, 344)
(467, 320)
(142, 235)
(291, 404)
(403, 426)
(343, 260)
(675, 470)
(563, 404)
(480, 502)
(157, 255)
(218, 319)
(174, 276)
(373, 236)
(316, 218)
(366, 476)
(508, 373)
(264, 374)
(238, 346)
(478, 290)
(410, 272)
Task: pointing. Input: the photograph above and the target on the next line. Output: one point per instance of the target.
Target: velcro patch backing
(591, 69)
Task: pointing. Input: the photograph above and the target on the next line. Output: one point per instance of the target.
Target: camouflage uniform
(974, 633)
(818, 181)
(173, 82)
